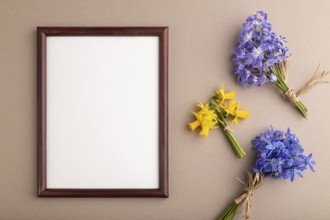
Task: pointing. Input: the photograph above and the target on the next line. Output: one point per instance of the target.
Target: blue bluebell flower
(280, 155)
(310, 162)
(259, 50)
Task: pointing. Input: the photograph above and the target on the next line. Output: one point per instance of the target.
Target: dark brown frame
(162, 33)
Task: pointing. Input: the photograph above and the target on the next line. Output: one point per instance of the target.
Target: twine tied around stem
(254, 181)
(227, 128)
(291, 95)
(316, 79)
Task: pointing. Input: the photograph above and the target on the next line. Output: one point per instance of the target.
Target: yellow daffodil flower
(222, 96)
(205, 118)
(232, 109)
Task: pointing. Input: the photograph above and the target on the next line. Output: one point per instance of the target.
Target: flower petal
(194, 125)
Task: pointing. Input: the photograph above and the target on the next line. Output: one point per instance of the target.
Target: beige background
(203, 35)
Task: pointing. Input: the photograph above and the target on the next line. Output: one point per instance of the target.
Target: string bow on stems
(255, 180)
(282, 71)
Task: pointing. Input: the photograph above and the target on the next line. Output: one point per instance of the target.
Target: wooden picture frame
(102, 111)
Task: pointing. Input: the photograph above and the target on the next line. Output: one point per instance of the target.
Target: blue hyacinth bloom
(310, 162)
(259, 50)
(280, 155)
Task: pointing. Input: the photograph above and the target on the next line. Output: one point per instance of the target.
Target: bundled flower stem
(255, 180)
(215, 114)
(229, 213)
(229, 132)
(261, 57)
(281, 72)
(289, 93)
(279, 155)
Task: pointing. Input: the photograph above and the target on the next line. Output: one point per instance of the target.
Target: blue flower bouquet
(261, 57)
(279, 155)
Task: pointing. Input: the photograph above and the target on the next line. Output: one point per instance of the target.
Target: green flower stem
(281, 84)
(230, 135)
(229, 213)
(237, 148)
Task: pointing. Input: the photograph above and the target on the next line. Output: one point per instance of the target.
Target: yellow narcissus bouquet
(214, 114)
